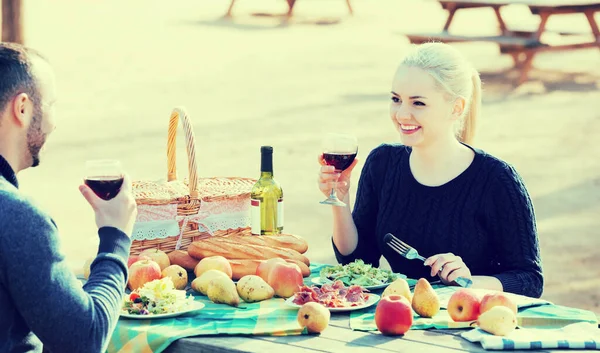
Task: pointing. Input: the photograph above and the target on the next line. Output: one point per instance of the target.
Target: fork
(411, 253)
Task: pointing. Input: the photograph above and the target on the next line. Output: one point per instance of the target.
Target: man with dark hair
(42, 304)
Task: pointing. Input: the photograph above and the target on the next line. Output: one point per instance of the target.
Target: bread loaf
(183, 259)
(287, 241)
(241, 268)
(244, 267)
(230, 249)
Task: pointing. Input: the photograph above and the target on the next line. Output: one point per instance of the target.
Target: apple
(393, 315)
(218, 263)
(177, 274)
(314, 316)
(142, 272)
(464, 305)
(158, 256)
(285, 279)
(135, 258)
(491, 300)
(264, 267)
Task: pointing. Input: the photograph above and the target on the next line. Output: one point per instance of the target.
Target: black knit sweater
(484, 215)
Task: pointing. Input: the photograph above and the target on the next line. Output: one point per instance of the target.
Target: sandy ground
(123, 65)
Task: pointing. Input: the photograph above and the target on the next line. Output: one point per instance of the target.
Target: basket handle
(190, 140)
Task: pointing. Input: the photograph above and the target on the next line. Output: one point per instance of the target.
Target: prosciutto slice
(334, 295)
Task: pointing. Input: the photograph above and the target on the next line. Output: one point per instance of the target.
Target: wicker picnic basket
(188, 195)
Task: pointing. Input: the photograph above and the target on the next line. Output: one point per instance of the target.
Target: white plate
(317, 281)
(373, 298)
(194, 307)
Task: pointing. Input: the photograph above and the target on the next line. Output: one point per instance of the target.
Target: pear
(314, 316)
(200, 284)
(222, 290)
(252, 288)
(499, 321)
(177, 274)
(86, 267)
(425, 300)
(400, 287)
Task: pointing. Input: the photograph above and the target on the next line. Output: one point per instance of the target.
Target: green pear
(425, 300)
(499, 321)
(200, 284)
(223, 290)
(400, 287)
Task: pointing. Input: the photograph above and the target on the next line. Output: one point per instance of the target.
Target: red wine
(106, 187)
(340, 161)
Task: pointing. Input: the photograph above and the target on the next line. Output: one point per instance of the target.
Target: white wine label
(280, 213)
(255, 216)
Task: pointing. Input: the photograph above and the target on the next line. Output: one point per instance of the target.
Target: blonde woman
(466, 211)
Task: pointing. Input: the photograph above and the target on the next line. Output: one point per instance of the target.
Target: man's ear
(458, 108)
(22, 109)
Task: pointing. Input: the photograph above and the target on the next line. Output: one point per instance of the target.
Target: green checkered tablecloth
(269, 317)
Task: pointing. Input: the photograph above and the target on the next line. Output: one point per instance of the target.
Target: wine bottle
(266, 198)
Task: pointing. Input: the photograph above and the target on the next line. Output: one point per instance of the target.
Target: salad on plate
(157, 297)
(358, 273)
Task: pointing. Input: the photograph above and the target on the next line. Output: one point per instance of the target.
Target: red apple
(158, 256)
(264, 267)
(142, 272)
(285, 279)
(491, 300)
(464, 305)
(135, 258)
(393, 315)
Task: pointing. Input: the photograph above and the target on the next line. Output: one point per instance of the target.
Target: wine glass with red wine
(104, 177)
(339, 151)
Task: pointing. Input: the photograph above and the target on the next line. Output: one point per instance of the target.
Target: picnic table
(522, 45)
(271, 325)
(338, 337)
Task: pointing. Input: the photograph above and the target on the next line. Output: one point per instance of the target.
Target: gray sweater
(42, 304)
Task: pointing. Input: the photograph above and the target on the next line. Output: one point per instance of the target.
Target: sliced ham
(334, 295)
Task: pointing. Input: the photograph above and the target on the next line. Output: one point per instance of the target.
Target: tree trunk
(12, 21)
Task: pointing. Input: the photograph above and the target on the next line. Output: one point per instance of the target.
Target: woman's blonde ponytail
(467, 134)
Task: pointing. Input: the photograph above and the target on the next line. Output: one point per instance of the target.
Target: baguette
(241, 268)
(230, 249)
(183, 259)
(287, 241)
(244, 267)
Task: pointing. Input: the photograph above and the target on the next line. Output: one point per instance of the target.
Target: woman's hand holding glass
(339, 153)
(330, 179)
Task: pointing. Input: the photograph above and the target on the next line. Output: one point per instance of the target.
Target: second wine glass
(339, 151)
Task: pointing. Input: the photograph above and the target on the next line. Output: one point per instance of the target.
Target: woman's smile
(409, 129)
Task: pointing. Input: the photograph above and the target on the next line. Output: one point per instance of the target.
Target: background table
(522, 45)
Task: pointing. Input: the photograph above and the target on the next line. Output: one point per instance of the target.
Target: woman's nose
(401, 113)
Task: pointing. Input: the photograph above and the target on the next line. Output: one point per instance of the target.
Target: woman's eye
(395, 99)
(419, 103)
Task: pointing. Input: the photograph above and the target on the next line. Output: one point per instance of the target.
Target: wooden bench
(504, 41)
(290, 3)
